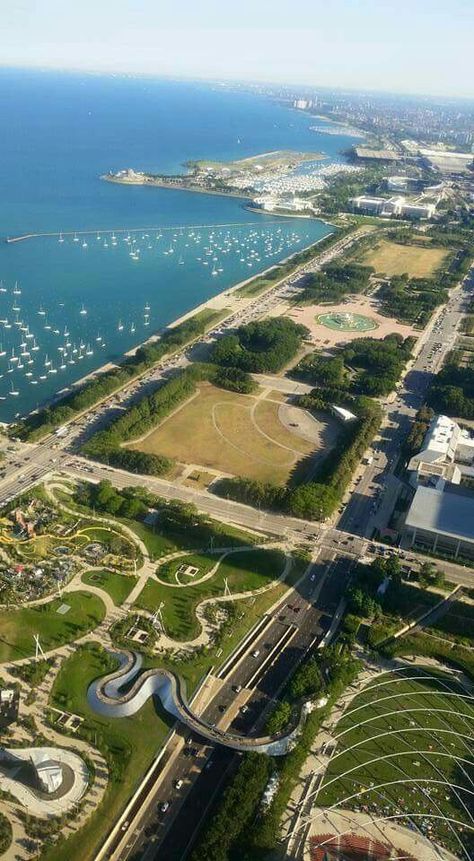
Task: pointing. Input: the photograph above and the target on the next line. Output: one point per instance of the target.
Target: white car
(255, 653)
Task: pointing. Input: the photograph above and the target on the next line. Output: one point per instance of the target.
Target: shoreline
(155, 336)
(179, 186)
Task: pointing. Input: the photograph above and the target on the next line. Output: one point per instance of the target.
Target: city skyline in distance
(416, 49)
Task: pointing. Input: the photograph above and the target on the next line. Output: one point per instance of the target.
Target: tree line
(240, 826)
(316, 499)
(368, 366)
(336, 280)
(452, 391)
(49, 418)
(413, 300)
(265, 346)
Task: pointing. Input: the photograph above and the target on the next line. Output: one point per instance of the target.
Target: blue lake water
(59, 133)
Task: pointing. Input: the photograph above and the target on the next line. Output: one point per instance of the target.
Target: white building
(344, 415)
(272, 202)
(392, 206)
(302, 104)
(447, 455)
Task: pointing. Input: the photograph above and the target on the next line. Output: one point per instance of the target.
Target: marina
(50, 343)
(89, 256)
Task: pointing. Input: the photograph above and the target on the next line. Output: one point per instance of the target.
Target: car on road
(178, 783)
(244, 709)
(164, 806)
(255, 653)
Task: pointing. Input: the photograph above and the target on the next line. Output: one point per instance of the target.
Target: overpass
(104, 697)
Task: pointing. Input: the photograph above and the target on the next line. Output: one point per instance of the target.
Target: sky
(412, 46)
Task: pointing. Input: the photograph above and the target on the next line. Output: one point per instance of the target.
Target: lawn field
(244, 571)
(404, 749)
(390, 258)
(118, 586)
(234, 435)
(17, 627)
(128, 744)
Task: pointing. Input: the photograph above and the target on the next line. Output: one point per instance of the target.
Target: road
(241, 703)
(375, 487)
(255, 681)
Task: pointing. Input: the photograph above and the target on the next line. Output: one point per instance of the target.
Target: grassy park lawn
(129, 745)
(397, 747)
(159, 543)
(393, 259)
(219, 429)
(118, 586)
(244, 571)
(173, 572)
(17, 626)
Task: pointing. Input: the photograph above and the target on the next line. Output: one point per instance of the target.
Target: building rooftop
(449, 512)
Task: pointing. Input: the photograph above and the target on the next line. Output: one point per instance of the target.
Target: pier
(110, 230)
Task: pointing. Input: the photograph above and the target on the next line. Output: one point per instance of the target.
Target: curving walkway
(104, 696)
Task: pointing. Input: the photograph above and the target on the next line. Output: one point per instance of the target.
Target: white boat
(47, 362)
(120, 326)
(33, 382)
(42, 312)
(61, 238)
(16, 290)
(14, 392)
(83, 311)
(132, 328)
(13, 358)
(75, 238)
(2, 351)
(84, 244)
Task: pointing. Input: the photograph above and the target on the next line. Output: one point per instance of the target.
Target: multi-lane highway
(166, 824)
(241, 698)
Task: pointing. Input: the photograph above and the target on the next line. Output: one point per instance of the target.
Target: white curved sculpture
(104, 696)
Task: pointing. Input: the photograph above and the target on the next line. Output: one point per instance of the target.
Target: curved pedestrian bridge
(106, 697)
